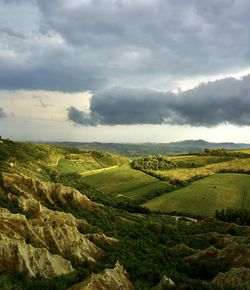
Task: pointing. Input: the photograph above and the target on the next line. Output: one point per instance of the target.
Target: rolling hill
(142, 149)
(205, 196)
(126, 182)
(64, 230)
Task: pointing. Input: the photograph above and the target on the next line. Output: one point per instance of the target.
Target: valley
(87, 219)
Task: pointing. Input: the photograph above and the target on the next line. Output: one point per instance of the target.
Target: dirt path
(91, 172)
(55, 164)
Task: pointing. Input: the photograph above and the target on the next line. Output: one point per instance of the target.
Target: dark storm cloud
(2, 113)
(76, 45)
(53, 79)
(129, 106)
(210, 104)
(81, 117)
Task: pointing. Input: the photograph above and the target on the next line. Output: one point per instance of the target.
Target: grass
(203, 197)
(125, 181)
(184, 174)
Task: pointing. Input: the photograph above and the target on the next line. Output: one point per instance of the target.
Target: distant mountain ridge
(204, 144)
(140, 149)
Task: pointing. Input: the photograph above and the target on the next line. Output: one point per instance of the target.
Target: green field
(203, 197)
(125, 181)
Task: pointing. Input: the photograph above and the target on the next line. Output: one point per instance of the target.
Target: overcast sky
(125, 70)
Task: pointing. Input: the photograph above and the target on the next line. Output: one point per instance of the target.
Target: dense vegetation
(239, 216)
(154, 163)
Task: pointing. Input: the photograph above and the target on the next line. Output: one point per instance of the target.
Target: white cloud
(25, 104)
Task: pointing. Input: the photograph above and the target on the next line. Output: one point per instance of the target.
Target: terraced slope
(125, 181)
(88, 162)
(203, 197)
(66, 166)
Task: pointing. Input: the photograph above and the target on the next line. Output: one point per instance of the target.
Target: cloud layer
(72, 45)
(222, 101)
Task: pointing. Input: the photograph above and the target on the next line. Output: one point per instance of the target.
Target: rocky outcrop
(217, 238)
(49, 240)
(109, 279)
(101, 237)
(235, 278)
(207, 254)
(165, 283)
(235, 254)
(228, 227)
(182, 248)
(49, 193)
(55, 231)
(17, 256)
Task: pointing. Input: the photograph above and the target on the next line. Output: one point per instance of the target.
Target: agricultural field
(78, 166)
(205, 196)
(185, 174)
(125, 181)
(247, 151)
(88, 162)
(198, 160)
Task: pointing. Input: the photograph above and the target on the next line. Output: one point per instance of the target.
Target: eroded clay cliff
(109, 279)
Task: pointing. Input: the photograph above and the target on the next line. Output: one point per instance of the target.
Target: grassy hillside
(109, 159)
(30, 159)
(203, 197)
(41, 160)
(22, 152)
(125, 181)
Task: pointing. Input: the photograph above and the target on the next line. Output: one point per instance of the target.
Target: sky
(125, 70)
